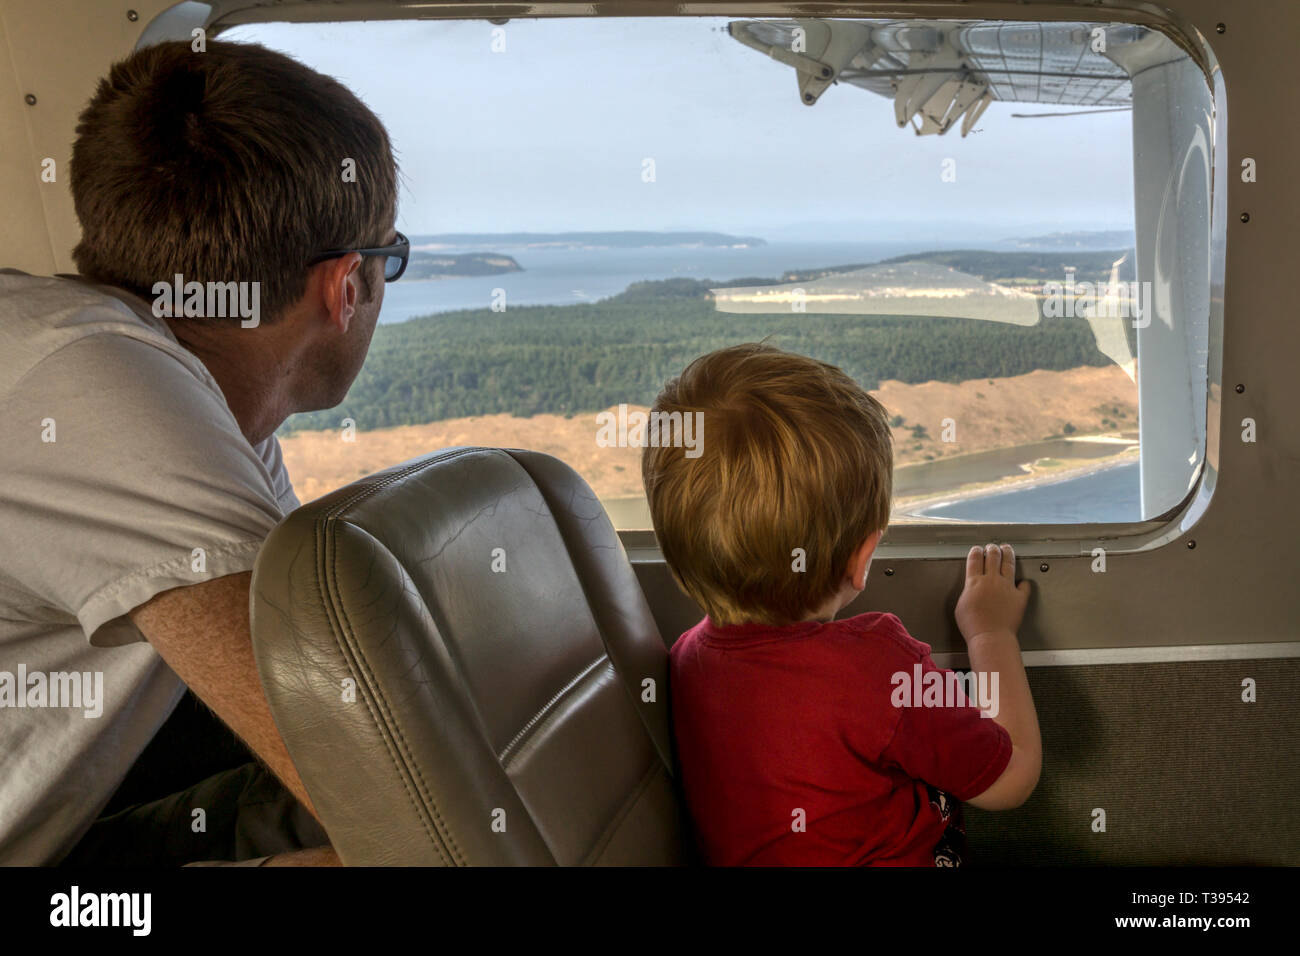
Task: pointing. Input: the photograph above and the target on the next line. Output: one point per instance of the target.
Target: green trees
(584, 358)
(587, 357)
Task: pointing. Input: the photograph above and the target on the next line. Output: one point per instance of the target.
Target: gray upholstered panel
(1186, 772)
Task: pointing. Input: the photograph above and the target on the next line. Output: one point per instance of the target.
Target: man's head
(231, 165)
(794, 478)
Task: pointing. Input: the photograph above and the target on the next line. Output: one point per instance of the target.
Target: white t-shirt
(123, 474)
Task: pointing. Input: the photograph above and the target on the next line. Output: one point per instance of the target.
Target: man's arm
(203, 633)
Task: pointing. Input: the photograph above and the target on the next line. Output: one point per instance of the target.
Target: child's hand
(991, 600)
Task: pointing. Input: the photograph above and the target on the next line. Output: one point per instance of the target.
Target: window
(1003, 229)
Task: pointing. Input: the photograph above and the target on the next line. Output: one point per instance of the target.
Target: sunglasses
(395, 256)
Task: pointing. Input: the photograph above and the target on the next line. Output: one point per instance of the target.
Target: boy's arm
(989, 611)
(999, 652)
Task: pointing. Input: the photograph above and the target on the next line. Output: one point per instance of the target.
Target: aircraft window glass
(1002, 229)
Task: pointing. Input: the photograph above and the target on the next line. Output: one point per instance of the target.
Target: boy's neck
(838, 602)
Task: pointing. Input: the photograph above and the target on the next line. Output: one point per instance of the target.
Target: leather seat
(465, 670)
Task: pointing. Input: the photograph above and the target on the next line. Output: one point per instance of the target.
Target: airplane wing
(939, 71)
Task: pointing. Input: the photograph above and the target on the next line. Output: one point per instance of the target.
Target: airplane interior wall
(1185, 770)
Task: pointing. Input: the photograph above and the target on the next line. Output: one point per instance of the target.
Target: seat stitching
(347, 646)
(532, 722)
(322, 546)
(598, 849)
(587, 586)
(441, 838)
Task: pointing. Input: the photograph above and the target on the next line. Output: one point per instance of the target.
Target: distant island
(427, 265)
(1113, 239)
(1016, 268)
(583, 240)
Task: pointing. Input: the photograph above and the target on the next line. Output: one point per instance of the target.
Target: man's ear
(860, 560)
(339, 288)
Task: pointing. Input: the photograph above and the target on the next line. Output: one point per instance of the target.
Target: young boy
(801, 739)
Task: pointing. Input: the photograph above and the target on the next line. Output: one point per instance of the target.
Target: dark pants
(194, 763)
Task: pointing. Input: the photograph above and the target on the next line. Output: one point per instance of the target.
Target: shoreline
(622, 508)
(1012, 483)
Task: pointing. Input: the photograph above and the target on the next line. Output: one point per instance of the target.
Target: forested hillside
(580, 358)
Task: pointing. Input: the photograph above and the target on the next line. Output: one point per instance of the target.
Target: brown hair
(794, 455)
(225, 166)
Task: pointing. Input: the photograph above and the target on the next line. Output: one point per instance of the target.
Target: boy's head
(794, 475)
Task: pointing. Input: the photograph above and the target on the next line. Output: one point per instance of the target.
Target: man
(140, 471)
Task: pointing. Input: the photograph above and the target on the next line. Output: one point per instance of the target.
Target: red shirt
(770, 721)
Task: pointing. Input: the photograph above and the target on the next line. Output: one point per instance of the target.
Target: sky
(553, 133)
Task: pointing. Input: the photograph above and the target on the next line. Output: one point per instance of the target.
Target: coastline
(632, 512)
(1036, 477)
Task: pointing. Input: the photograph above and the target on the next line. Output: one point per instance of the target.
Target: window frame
(941, 541)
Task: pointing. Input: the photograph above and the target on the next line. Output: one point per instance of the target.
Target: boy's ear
(860, 561)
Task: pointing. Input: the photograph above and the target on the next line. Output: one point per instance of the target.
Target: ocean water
(1112, 494)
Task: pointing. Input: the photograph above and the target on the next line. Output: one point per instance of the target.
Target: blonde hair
(795, 455)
